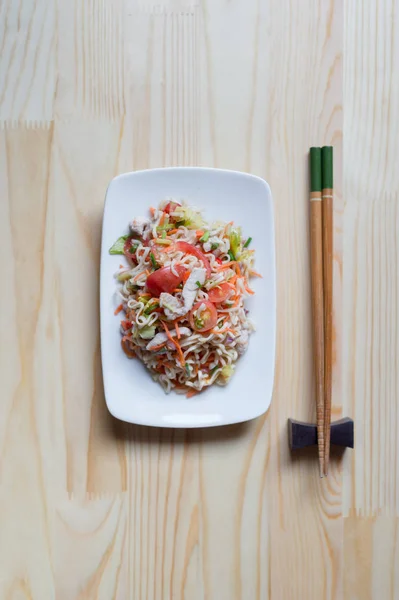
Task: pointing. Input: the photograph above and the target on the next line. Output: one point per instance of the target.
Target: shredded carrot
(227, 226)
(238, 269)
(255, 274)
(152, 211)
(199, 233)
(172, 339)
(162, 219)
(180, 318)
(147, 272)
(167, 248)
(172, 231)
(128, 351)
(121, 266)
(166, 363)
(176, 290)
(223, 330)
(226, 265)
(138, 275)
(192, 393)
(177, 329)
(249, 290)
(186, 276)
(158, 346)
(118, 309)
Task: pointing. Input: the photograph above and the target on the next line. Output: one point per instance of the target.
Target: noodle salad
(183, 296)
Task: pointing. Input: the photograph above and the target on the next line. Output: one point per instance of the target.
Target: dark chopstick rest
(302, 435)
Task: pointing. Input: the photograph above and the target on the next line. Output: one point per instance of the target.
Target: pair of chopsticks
(321, 230)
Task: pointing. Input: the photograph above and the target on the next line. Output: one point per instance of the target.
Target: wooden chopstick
(316, 246)
(327, 194)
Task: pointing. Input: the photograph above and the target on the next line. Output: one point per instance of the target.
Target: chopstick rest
(302, 435)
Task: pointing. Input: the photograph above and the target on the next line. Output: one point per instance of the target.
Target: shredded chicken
(212, 240)
(171, 305)
(190, 289)
(140, 226)
(161, 338)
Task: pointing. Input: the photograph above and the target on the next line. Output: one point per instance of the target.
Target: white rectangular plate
(130, 392)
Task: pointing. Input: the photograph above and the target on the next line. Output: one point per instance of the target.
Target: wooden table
(93, 508)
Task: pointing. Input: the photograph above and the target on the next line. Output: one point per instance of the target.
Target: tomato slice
(163, 280)
(170, 207)
(129, 249)
(220, 293)
(206, 320)
(190, 249)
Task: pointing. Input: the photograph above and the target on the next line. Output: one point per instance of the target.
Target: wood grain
(371, 260)
(89, 537)
(90, 59)
(95, 509)
(27, 62)
(374, 542)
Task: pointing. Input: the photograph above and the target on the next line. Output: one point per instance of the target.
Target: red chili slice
(171, 207)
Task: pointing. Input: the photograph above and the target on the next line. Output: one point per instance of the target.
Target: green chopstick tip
(327, 167)
(315, 169)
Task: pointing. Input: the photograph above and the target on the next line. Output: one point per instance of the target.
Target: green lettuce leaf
(118, 246)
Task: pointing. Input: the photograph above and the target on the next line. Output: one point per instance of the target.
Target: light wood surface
(93, 508)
